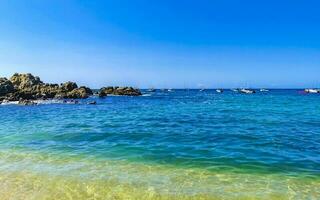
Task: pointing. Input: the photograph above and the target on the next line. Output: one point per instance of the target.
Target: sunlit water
(176, 145)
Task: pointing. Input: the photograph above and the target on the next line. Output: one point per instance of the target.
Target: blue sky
(167, 43)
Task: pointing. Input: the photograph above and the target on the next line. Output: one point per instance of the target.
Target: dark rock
(26, 102)
(79, 93)
(88, 90)
(29, 87)
(68, 86)
(70, 90)
(127, 91)
(26, 87)
(48, 91)
(6, 86)
(105, 91)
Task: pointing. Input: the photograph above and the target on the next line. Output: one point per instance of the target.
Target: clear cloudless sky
(165, 43)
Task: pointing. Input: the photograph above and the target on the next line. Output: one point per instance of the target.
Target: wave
(9, 103)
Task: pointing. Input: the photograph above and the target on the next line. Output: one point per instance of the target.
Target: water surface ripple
(265, 133)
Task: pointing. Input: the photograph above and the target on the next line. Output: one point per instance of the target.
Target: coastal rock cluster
(26, 87)
(127, 91)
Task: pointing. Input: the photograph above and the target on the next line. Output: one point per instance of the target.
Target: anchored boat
(235, 90)
(247, 91)
(219, 90)
(313, 91)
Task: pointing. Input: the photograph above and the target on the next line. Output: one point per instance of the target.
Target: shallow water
(177, 145)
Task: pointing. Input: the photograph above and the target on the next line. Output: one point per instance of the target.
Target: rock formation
(79, 93)
(6, 86)
(126, 91)
(26, 87)
(25, 81)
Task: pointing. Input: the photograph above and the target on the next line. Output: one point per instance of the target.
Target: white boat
(247, 91)
(313, 91)
(151, 90)
(264, 90)
(235, 90)
(219, 90)
(201, 90)
(170, 90)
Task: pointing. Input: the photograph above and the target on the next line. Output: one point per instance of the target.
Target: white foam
(9, 103)
(39, 102)
(51, 101)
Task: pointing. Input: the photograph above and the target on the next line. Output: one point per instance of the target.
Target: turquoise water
(182, 144)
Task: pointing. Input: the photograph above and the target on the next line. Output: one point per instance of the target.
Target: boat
(264, 90)
(235, 90)
(151, 90)
(312, 91)
(201, 90)
(170, 90)
(247, 91)
(219, 90)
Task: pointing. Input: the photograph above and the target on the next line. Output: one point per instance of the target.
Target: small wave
(52, 101)
(9, 103)
(38, 102)
(147, 95)
(114, 95)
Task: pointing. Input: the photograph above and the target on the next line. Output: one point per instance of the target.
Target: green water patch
(34, 175)
(218, 165)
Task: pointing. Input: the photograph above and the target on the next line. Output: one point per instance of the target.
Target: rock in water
(48, 90)
(88, 90)
(79, 93)
(29, 87)
(66, 90)
(23, 87)
(26, 103)
(26, 87)
(21, 81)
(68, 86)
(126, 91)
(6, 86)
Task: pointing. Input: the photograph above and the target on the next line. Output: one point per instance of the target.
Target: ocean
(184, 144)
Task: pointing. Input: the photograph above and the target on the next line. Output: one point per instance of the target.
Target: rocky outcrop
(22, 81)
(6, 86)
(65, 89)
(105, 91)
(22, 87)
(126, 91)
(25, 88)
(79, 93)
(29, 87)
(70, 90)
(68, 86)
(48, 91)
(27, 103)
